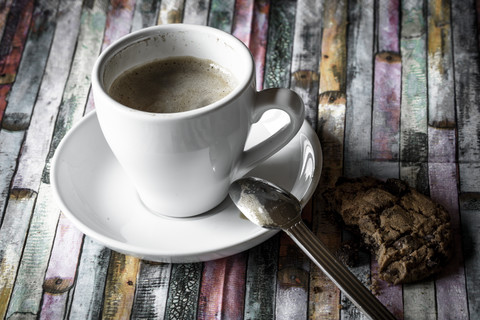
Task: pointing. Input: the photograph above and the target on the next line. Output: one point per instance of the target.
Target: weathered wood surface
(390, 87)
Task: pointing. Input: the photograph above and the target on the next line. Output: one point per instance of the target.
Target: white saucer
(93, 191)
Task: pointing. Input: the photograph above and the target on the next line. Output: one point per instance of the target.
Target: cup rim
(135, 37)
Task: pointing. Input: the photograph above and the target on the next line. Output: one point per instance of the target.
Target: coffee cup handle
(281, 99)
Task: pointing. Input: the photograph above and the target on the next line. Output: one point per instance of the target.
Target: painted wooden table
(391, 87)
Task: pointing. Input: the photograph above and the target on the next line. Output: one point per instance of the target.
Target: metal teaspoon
(272, 207)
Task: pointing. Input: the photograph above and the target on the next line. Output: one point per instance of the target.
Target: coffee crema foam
(172, 85)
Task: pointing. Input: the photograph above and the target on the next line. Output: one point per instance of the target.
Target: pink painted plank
(388, 25)
(386, 107)
(118, 24)
(442, 169)
(11, 50)
(61, 271)
(54, 306)
(258, 41)
(222, 289)
(242, 21)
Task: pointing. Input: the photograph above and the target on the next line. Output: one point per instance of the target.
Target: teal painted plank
(280, 42)
(221, 14)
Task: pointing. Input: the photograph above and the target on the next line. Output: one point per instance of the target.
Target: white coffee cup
(182, 164)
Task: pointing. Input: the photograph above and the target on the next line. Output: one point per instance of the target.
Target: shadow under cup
(180, 163)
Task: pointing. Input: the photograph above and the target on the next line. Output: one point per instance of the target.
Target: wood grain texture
(120, 286)
(62, 267)
(467, 93)
(414, 121)
(4, 11)
(305, 56)
(221, 14)
(152, 290)
(182, 301)
(242, 20)
(260, 282)
(470, 213)
(450, 283)
(334, 49)
(441, 95)
(12, 237)
(196, 12)
(390, 296)
(171, 11)
(13, 40)
(258, 39)
(88, 293)
(145, 14)
(12, 45)
(26, 297)
(388, 26)
(386, 114)
(331, 119)
(359, 91)
(222, 291)
(280, 41)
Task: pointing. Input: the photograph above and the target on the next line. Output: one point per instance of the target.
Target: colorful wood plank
(258, 39)
(450, 283)
(222, 292)
(120, 286)
(183, 292)
(305, 56)
(61, 272)
(388, 26)
(386, 115)
(27, 292)
(441, 95)
(171, 11)
(221, 14)
(324, 295)
(467, 93)
(196, 12)
(145, 14)
(242, 20)
(88, 293)
(470, 211)
(12, 44)
(334, 50)
(358, 114)
(330, 129)
(152, 290)
(414, 142)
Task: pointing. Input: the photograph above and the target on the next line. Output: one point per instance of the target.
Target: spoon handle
(337, 272)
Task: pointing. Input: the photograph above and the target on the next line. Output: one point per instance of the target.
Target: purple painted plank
(389, 295)
(386, 107)
(222, 290)
(258, 41)
(60, 275)
(450, 283)
(242, 22)
(388, 25)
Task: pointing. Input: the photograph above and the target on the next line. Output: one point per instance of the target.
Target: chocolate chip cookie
(408, 232)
